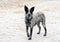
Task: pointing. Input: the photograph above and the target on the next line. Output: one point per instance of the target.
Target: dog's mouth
(29, 18)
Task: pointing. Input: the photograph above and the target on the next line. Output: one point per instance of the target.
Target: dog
(31, 21)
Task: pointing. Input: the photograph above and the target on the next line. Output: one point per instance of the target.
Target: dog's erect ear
(26, 9)
(32, 9)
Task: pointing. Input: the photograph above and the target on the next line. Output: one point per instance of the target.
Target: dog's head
(28, 12)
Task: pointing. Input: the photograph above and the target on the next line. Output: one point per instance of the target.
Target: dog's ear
(26, 9)
(32, 9)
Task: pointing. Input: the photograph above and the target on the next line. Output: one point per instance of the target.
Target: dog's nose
(29, 15)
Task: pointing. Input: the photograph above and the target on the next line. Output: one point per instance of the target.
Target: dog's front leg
(27, 31)
(30, 37)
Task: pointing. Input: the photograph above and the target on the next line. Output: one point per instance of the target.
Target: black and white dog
(31, 21)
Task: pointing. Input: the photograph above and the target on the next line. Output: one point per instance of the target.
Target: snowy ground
(12, 26)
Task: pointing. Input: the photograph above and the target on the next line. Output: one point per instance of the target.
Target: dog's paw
(27, 35)
(29, 38)
(44, 35)
(38, 33)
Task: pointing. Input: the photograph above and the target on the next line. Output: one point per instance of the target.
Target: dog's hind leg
(38, 24)
(43, 23)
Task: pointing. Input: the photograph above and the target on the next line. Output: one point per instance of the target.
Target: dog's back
(38, 17)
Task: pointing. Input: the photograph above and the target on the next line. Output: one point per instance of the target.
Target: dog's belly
(36, 20)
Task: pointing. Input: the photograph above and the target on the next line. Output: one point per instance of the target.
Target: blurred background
(12, 20)
(19, 5)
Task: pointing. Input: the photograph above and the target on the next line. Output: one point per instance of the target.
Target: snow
(12, 25)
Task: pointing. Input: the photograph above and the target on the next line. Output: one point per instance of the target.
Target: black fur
(32, 9)
(26, 9)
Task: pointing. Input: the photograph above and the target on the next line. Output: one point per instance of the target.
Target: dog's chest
(28, 22)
